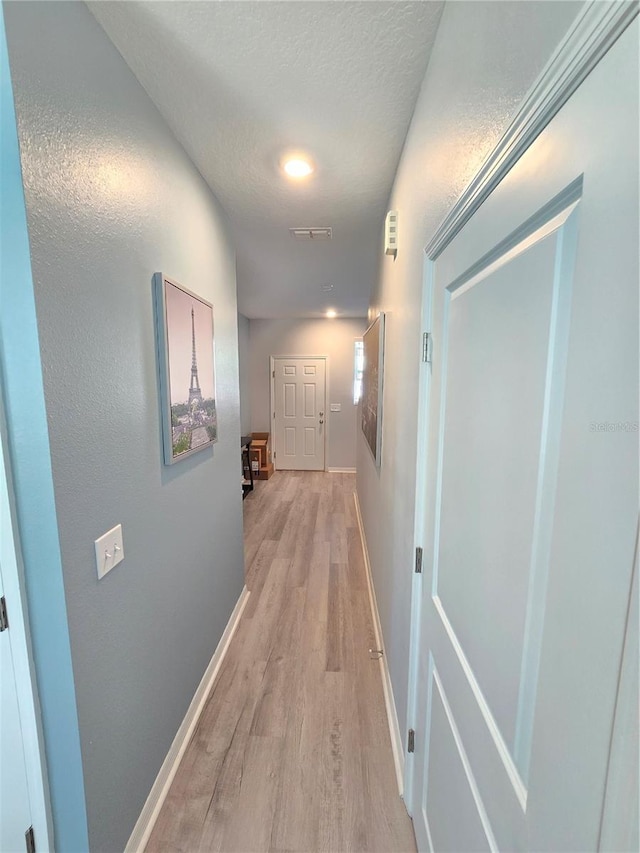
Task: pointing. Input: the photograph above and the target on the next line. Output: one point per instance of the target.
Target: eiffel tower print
(194, 390)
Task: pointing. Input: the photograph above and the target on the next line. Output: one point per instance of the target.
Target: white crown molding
(594, 31)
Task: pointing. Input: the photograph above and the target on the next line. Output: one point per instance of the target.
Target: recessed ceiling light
(331, 313)
(297, 167)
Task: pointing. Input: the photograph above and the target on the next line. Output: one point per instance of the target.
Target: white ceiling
(241, 82)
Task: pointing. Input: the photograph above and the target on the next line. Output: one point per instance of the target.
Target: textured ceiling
(239, 83)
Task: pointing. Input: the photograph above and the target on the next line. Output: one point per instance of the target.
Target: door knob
(321, 414)
(321, 422)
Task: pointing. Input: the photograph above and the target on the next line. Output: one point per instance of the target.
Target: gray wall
(243, 368)
(485, 57)
(334, 338)
(29, 472)
(111, 198)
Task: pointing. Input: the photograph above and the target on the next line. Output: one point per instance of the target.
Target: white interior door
(299, 413)
(15, 808)
(23, 786)
(532, 488)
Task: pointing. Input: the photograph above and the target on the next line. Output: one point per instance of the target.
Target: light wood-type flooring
(292, 752)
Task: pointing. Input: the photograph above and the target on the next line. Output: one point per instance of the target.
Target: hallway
(292, 751)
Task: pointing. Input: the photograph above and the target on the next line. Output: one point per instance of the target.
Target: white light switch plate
(109, 550)
(336, 407)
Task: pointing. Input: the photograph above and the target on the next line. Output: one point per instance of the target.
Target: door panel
(500, 447)
(289, 448)
(453, 808)
(531, 500)
(299, 395)
(289, 400)
(489, 488)
(310, 441)
(310, 400)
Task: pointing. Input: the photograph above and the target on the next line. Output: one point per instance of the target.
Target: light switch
(109, 550)
(336, 407)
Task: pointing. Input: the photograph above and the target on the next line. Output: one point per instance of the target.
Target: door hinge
(30, 840)
(426, 347)
(273, 374)
(4, 620)
(418, 561)
(274, 454)
(411, 741)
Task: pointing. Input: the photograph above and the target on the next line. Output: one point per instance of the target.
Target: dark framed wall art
(186, 366)
(373, 341)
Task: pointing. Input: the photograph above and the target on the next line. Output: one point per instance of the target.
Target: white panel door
(532, 488)
(299, 413)
(15, 808)
(23, 795)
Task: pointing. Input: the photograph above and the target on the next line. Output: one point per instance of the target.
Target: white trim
(160, 788)
(424, 391)
(389, 701)
(594, 31)
(272, 398)
(341, 470)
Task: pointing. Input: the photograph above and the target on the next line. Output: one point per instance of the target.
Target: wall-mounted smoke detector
(310, 233)
(391, 233)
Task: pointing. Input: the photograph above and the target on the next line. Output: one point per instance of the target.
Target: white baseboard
(389, 701)
(160, 788)
(341, 470)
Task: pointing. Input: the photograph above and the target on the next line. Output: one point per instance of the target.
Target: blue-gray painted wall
(111, 198)
(26, 421)
(485, 57)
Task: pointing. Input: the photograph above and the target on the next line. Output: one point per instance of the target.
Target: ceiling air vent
(310, 233)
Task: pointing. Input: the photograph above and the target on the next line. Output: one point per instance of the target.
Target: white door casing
(530, 502)
(299, 412)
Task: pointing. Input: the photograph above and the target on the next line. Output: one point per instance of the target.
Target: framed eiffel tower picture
(184, 327)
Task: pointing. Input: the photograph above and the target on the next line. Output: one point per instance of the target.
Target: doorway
(298, 406)
(24, 806)
(527, 514)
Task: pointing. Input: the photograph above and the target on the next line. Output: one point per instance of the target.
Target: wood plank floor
(292, 752)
